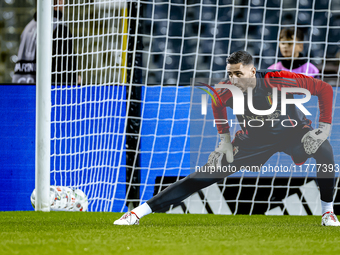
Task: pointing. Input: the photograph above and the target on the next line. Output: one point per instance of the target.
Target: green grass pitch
(93, 233)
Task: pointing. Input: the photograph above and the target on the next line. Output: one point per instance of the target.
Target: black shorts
(256, 151)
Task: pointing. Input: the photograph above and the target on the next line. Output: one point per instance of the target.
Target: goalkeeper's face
(242, 76)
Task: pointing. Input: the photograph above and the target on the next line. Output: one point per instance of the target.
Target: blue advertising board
(164, 148)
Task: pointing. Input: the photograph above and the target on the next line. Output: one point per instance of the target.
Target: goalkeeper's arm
(220, 112)
(313, 139)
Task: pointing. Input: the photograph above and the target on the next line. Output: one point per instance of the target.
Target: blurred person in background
(294, 60)
(64, 64)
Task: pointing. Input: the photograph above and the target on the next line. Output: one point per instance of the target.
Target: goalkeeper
(253, 146)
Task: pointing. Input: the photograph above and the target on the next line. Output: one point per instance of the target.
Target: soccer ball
(71, 199)
(60, 198)
(52, 197)
(33, 199)
(65, 199)
(81, 202)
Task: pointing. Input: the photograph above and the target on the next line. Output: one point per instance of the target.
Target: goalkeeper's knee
(324, 154)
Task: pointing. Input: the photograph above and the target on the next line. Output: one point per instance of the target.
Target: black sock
(326, 173)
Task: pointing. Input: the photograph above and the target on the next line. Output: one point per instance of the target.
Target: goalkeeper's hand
(226, 147)
(314, 138)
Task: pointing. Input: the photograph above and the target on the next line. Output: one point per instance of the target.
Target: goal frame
(43, 105)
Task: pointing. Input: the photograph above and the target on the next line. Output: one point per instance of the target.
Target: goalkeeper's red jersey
(262, 100)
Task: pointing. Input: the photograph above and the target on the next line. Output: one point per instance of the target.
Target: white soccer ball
(81, 202)
(65, 199)
(71, 199)
(33, 199)
(52, 197)
(60, 198)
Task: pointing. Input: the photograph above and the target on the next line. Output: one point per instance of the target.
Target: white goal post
(122, 108)
(43, 106)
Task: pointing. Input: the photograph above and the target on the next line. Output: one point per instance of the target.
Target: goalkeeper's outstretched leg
(246, 153)
(173, 194)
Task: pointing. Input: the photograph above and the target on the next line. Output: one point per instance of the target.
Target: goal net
(125, 123)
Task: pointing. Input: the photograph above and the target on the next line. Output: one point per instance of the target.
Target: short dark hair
(289, 33)
(240, 57)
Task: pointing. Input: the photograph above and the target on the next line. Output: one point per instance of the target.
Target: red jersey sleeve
(220, 110)
(318, 88)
